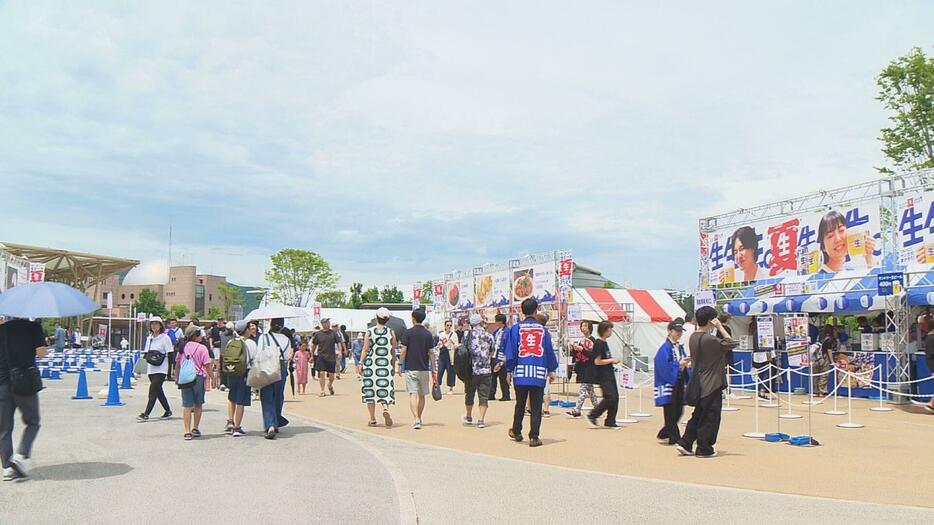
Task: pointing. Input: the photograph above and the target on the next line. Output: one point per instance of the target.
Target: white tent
(355, 320)
(652, 310)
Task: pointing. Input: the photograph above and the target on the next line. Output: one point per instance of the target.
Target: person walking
(227, 335)
(415, 357)
(531, 362)
(157, 343)
(708, 361)
(480, 345)
(604, 375)
(499, 372)
(21, 341)
(272, 396)
(584, 369)
(357, 350)
(239, 394)
(929, 360)
(302, 359)
(821, 358)
(59, 337)
(671, 363)
(325, 345)
(193, 392)
(447, 343)
(376, 368)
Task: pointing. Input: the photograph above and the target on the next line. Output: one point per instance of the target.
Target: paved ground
(96, 465)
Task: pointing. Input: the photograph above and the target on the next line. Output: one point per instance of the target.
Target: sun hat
(191, 330)
(157, 319)
(229, 325)
(475, 319)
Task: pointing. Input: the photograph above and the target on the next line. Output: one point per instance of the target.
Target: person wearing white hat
(479, 343)
(376, 368)
(156, 352)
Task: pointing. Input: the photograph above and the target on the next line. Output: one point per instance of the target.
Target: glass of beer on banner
(856, 244)
(929, 253)
(729, 274)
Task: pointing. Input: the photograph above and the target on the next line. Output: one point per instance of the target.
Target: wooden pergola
(81, 270)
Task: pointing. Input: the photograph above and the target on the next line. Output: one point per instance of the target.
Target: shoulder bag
(25, 381)
(153, 357)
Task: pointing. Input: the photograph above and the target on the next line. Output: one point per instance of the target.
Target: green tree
(178, 311)
(214, 313)
(685, 301)
(332, 299)
(356, 296)
(371, 295)
(906, 89)
(391, 294)
(148, 302)
(428, 293)
(230, 295)
(298, 275)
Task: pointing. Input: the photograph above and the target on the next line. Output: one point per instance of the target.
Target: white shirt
(250, 351)
(160, 343)
(286, 348)
(689, 328)
(448, 340)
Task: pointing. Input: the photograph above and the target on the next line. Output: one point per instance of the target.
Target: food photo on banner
(842, 239)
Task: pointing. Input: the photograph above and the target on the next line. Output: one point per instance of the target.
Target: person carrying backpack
(237, 357)
(193, 366)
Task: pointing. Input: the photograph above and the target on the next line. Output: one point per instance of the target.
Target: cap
(383, 313)
(240, 326)
(191, 330)
(475, 319)
(326, 320)
(674, 325)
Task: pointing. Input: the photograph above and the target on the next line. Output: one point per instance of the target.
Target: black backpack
(463, 364)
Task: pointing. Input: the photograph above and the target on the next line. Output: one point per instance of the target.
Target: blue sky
(402, 140)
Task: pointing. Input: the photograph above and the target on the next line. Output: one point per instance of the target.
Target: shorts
(322, 365)
(238, 393)
(194, 396)
(481, 384)
(418, 382)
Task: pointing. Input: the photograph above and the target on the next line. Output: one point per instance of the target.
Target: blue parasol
(47, 299)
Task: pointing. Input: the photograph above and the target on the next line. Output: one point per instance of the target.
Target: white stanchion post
(743, 396)
(789, 415)
(640, 413)
(729, 393)
(882, 407)
(626, 418)
(849, 423)
(810, 400)
(836, 388)
(770, 404)
(756, 434)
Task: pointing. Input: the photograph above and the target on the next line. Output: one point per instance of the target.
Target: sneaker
(387, 418)
(229, 427)
(20, 465)
(546, 413)
(573, 414)
(683, 451)
(592, 421)
(142, 417)
(222, 388)
(535, 442)
(663, 441)
(238, 432)
(9, 474)
(514, 436)
(481, 424)
(467, 420)
(167, 415)
(711, 455)
(614, 426)
(417, 425)
(450, 390)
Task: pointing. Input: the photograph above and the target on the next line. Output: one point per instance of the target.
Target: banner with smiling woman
(821, 242)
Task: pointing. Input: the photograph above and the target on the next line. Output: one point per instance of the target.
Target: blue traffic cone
(127, 376)
(45, 372)
(82, 391)
(113, 392)
(89, 361)
(115, 367)
(55, 375)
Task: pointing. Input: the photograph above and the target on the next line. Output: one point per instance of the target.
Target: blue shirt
(529, 354)
(59, 337)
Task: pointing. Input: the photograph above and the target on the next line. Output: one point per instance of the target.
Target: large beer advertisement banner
(536, 281)
(915, 224)
(844, 238)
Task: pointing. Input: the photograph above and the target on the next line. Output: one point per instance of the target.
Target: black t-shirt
(418, 342)
(583, 365)
(19, 339)
(929, 346)
(602, 374)
(215, 337)
(327, 344)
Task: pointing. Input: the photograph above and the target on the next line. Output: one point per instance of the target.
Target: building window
(123, 296)
(210, 297)
(131, 296)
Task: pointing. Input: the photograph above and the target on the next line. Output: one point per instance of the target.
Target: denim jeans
(445, 365)
(272, 397)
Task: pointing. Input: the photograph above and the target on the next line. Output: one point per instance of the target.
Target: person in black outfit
(498, 356)
(21, 341)
(604, 375)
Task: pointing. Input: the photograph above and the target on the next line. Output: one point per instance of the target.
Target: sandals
(188, 436)
(270, 434)
(322, 394)
(372, 423)
(331, 390)
(195, 432)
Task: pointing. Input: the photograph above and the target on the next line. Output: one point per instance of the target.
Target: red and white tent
(652, 310)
